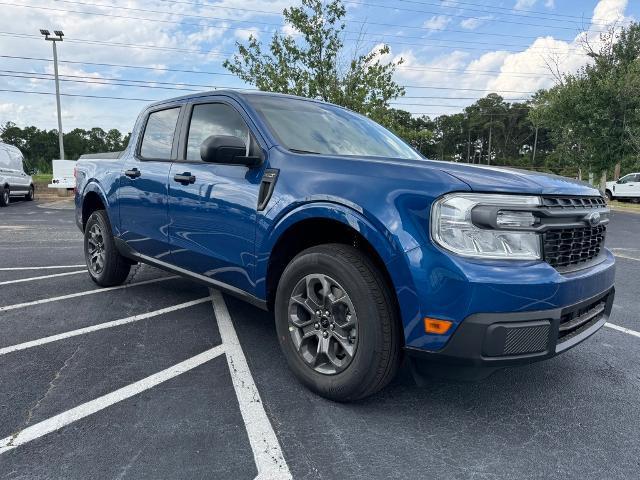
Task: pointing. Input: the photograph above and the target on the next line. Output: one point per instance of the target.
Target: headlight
(452, 226)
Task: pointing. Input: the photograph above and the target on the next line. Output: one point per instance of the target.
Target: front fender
(383, 242)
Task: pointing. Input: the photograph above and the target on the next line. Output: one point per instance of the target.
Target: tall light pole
(57, 37)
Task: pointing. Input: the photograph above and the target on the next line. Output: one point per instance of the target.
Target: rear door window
(157, 141)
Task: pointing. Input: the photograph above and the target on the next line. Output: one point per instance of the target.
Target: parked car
(63, 177)
(14, 182)
(626, 188)
(364, 250)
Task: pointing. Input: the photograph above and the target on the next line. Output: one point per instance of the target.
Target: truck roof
(233, 93)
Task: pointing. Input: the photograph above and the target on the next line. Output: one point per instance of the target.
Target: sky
(137, 51)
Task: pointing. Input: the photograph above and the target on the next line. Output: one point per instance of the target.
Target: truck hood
(502, 179)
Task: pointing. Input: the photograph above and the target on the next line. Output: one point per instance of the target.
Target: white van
(14, 182)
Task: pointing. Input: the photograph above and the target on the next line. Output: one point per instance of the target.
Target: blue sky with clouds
(455, 51)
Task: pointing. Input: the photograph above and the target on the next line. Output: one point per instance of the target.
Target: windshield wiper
(297, 150)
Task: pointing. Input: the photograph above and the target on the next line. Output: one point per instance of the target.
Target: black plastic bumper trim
(467, 345)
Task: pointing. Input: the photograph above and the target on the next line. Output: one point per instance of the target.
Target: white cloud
(437, 22)
(524, 4)
(244, 34)
(290, 30)
(498, 71)
(550, 4)
(473, 23)
(609, 11)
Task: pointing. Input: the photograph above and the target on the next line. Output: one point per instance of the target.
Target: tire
(31, 195)
(4, 197)
(608, 195)
(106, 266)
(373, 338)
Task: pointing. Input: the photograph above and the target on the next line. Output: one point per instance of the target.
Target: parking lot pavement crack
(50, 388)
(132, 276)
(125, 470)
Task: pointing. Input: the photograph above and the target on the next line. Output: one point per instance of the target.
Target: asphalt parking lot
(166, 379)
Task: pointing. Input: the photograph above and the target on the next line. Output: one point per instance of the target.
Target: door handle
(184, 178)
(133, 173)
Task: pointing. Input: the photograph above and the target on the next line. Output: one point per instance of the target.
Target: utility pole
(490, 129)
(535, 146)
(468, 142)
(54, 39)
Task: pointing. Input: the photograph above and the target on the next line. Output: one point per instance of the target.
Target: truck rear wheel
(4, 196)
(105, 265)
(337, 323)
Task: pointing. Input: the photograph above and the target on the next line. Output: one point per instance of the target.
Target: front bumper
(506, 339)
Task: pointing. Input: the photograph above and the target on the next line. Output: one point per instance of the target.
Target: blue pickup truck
(366, 252)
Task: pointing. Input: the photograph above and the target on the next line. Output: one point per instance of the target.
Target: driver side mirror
(619, 181)
(226, 149)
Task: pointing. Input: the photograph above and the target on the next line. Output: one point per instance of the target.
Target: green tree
(39, 147)
(594, 114)
(311, 65)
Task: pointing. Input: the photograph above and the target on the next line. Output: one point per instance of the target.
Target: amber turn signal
(439, 327)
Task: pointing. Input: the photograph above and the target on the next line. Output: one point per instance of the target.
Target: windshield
(313, 127)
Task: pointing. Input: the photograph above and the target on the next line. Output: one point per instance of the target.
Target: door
(634, 186)
(212, 207)
(627, 186)
(11, 165)
(20, 180)
(143, 185)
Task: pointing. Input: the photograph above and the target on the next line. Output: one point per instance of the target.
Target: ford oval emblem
(593, 219)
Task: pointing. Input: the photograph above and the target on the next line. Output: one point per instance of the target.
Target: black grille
(573, 202)
(574, 322)
(572, 246)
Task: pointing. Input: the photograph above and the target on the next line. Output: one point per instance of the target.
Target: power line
(215, 53)
(507, 11)
(117, 65)
(467, 17)
(262, 23)
(436, 43)
(100, 83)
(78, 95)
(106, 97)
(184, 84)
(401, 67)
(495, 7)
(501, 10)
(181, 87)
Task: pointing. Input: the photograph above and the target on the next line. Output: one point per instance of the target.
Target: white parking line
(88, 292)
(31, 279)
(622, 329)
(266, 449)
(101, 326)
(16, 269)
(65, 418)
(617, 255)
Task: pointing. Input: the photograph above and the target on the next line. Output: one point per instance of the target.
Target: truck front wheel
(608, 195)
(337, 323)
(105, 265)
